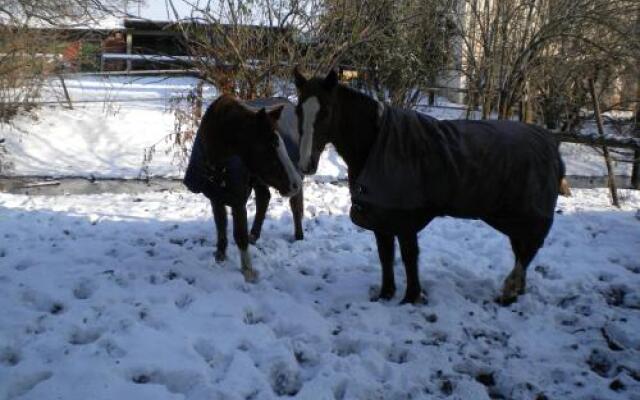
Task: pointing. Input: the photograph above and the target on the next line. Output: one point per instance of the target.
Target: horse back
(462, 168)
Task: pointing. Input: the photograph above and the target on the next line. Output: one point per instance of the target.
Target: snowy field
(118, 297)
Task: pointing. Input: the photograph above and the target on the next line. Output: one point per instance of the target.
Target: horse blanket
(461, 168)
(229, 181)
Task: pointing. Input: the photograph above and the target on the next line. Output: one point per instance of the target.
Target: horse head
(314, 110)
(253, 135)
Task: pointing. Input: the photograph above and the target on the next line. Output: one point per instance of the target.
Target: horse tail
(563, 189)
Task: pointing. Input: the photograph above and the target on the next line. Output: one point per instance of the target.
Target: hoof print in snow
(486, 379)
(446, 387)
(9, 357)
(546, 272)
(431, 318)
(398, 356)
(25, 384)
(599, 363)
(84, 336)
(23, 265)
(617, 386)
(615, 294)
(141, 379)
(171, 275)
(178, 241)
(84, 290)
(437, 338)
(184, 301)
(112, 349)
(253, 318)
(56, 308)
(285, 381)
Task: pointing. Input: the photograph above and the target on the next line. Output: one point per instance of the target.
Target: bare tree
(241, 46)
(28, 56)
(513, 49)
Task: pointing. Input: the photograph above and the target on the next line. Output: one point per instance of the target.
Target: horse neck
(354, 127)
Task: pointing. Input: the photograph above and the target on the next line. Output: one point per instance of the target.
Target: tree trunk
(635, 170)
(605, 149)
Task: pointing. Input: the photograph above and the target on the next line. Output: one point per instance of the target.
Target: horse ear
(299, 79)
(274, 113)
(331, 80)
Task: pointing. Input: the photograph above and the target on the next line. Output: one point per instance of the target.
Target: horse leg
(241, 237)
(220, 219)
(297, 210)
(386, 250)
(524, 249)
(409, 251)
(262, 203)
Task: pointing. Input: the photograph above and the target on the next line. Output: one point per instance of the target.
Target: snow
(117, 296)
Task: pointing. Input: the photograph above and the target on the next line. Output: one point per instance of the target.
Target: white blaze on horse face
(295, 181)
(310, 109)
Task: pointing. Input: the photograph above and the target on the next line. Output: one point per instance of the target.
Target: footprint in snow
(9, 356)
(24, 264)
(81, 337)
(179, 381)
(111, 348)
(42, 302)
(183, 301)
(285, 379)
(547, 272)
(24, 384)
(84, 289)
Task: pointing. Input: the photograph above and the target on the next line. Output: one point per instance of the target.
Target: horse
(240, 147)
(405, 169)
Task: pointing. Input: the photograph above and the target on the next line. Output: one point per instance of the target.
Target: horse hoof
(414, 299)
(507, 300)
(250, 275)
(253, 238)
(219, 256)
(386, 294)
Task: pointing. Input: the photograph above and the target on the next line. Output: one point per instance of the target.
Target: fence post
(129, 48)
(635, 171)
(605, 149)
(64, 89)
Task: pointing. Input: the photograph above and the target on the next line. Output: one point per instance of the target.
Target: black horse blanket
(230, 182)
(461, 168)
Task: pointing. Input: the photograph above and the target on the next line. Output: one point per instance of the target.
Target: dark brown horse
(242, 147)
(406, 168)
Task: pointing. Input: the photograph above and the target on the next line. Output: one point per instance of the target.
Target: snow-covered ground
(117, 296)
